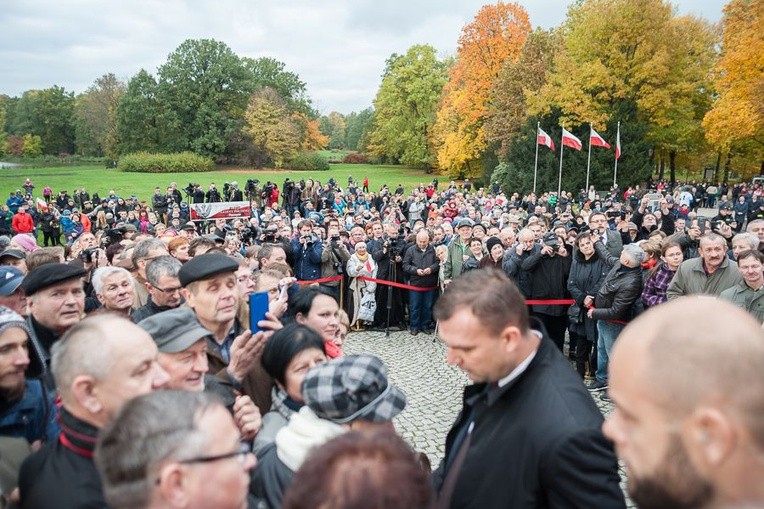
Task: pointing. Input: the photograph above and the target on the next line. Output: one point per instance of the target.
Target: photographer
(387, 252)
(306, 250)
(333, 259)
(213, 195)
(549, 268)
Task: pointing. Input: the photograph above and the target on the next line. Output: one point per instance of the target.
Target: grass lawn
(101, 180)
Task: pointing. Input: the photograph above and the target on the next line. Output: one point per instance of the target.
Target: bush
(308, 161)
(145, 162)
(355, 158)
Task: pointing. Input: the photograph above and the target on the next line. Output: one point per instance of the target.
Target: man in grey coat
(710, 274)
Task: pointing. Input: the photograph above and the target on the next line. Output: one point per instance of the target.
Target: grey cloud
(338, 47)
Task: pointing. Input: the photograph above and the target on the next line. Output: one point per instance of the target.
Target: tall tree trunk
(727, 167)
(719, 165)
(672, 166)
(662, 170)
(761, 169)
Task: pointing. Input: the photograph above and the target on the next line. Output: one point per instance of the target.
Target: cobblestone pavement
(433, 389)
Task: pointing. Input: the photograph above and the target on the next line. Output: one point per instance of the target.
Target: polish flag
(569, 140)
(597, 140)
(618, 143)
(42, 205)
(544, 139)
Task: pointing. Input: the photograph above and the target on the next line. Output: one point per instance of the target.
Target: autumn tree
(631, 57)
(271, 126)
(96, 117)
(736, 120)
(406, 106)
(508, 110)
(496, 35)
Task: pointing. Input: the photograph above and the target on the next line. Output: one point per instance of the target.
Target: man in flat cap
(211, 290)
(56, 302)
(182, 345)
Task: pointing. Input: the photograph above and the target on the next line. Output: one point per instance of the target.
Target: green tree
(47, 113)
(144, 121)
(406, 105)
(333, 126)
(269, 72)
(273, 130)
(206, 86)
(96, 117)
(358, 127)
(32, 145)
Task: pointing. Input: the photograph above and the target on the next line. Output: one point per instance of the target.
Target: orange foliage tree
(496, 35)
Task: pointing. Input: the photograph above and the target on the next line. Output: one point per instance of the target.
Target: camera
(335, 238)
(87, 254)
(552, 240)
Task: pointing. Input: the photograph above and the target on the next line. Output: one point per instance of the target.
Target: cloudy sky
(338, 47)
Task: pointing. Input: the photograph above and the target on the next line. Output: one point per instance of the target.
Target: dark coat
(63, 476)
(619, 291)
(549, 280)
(586, 277)
(536, 442)
(415, 259)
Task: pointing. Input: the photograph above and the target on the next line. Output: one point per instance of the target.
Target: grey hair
(753, 224)
(162, 266)
(635, 253)
(752, 239)
(83, 351)
(102, 273)
(148, 431)
(142, 249)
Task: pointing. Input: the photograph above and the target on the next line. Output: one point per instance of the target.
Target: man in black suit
(528, 435)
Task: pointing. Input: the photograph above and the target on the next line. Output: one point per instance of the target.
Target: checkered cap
(352, 388)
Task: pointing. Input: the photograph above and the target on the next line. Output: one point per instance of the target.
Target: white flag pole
(589, 159)
(559, 179)
(618, 146)
(536, 164)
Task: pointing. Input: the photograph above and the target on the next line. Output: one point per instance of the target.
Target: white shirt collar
(522, 366)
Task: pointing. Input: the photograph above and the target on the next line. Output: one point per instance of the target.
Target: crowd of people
(131, 375)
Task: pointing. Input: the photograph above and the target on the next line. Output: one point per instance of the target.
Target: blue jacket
(34, 417)
(307, 260)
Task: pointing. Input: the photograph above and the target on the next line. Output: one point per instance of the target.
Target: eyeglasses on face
(240, 454)
(168, 290)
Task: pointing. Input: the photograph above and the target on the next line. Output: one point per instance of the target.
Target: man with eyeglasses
(174, 449)
(163, 287)
(145, 252)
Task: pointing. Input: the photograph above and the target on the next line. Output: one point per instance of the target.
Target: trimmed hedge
(179, 162)
(308, 161)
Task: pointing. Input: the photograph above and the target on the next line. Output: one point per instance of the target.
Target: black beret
(50, 274)
(204, 266)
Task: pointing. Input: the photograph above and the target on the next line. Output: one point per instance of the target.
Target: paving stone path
(417, 365)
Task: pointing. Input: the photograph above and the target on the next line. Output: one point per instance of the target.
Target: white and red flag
(597, 140)
(544, 139)
(618, 143)
(569, 140)
(42, 205)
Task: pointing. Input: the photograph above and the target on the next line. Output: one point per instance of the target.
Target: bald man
(422, 266)
(688, 397)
